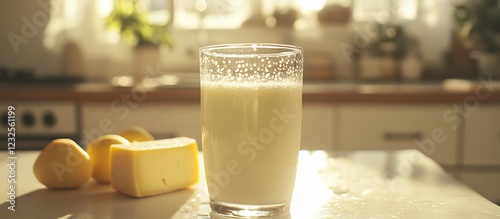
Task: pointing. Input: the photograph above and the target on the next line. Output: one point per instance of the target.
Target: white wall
(31, 53)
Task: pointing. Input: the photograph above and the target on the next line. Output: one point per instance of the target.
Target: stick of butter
(148, 168)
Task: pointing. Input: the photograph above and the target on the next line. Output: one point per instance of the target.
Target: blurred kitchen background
(345, 40)
(379, 74)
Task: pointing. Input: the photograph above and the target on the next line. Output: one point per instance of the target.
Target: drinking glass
(251, 104)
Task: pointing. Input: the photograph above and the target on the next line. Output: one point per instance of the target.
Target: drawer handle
(402, 136)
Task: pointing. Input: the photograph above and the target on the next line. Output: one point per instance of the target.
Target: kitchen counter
(363, 184)
(447, 91)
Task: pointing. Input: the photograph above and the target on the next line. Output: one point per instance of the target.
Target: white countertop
(375, 184)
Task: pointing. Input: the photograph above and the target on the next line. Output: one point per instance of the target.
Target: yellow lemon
(99, 156)
(136, 134)
(62, 164)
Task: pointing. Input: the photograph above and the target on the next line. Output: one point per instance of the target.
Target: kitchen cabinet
(466, 142)
(428, 128)
(482, 136)
(318, 127)
(169, 120)
(484, 182)
(161, 120)
(481, 163)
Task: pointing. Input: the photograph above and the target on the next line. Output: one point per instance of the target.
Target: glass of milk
(251, 105)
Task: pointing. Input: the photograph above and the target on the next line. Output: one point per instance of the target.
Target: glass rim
(286, 50)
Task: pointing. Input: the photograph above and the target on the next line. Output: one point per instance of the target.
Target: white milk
(251, 139)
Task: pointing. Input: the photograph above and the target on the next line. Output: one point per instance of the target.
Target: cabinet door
(485, 183)
(317, 127)
(162, 120)
(428, 128)
(482, 136)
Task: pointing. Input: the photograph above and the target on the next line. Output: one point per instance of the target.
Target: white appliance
(38, 123)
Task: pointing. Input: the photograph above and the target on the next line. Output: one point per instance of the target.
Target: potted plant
(133, 22)
(478, 25)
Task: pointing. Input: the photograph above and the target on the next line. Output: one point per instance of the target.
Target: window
(210, 14)
(383, 10)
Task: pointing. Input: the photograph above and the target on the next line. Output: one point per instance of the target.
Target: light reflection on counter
(371, 184)
(308, 201)
(363, 184)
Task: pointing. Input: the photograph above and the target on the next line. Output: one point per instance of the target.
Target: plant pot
(147, 58)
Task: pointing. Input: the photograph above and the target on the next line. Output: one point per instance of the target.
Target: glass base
(243, 210)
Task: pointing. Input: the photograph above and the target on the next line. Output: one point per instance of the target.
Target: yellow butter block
(149, 168)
